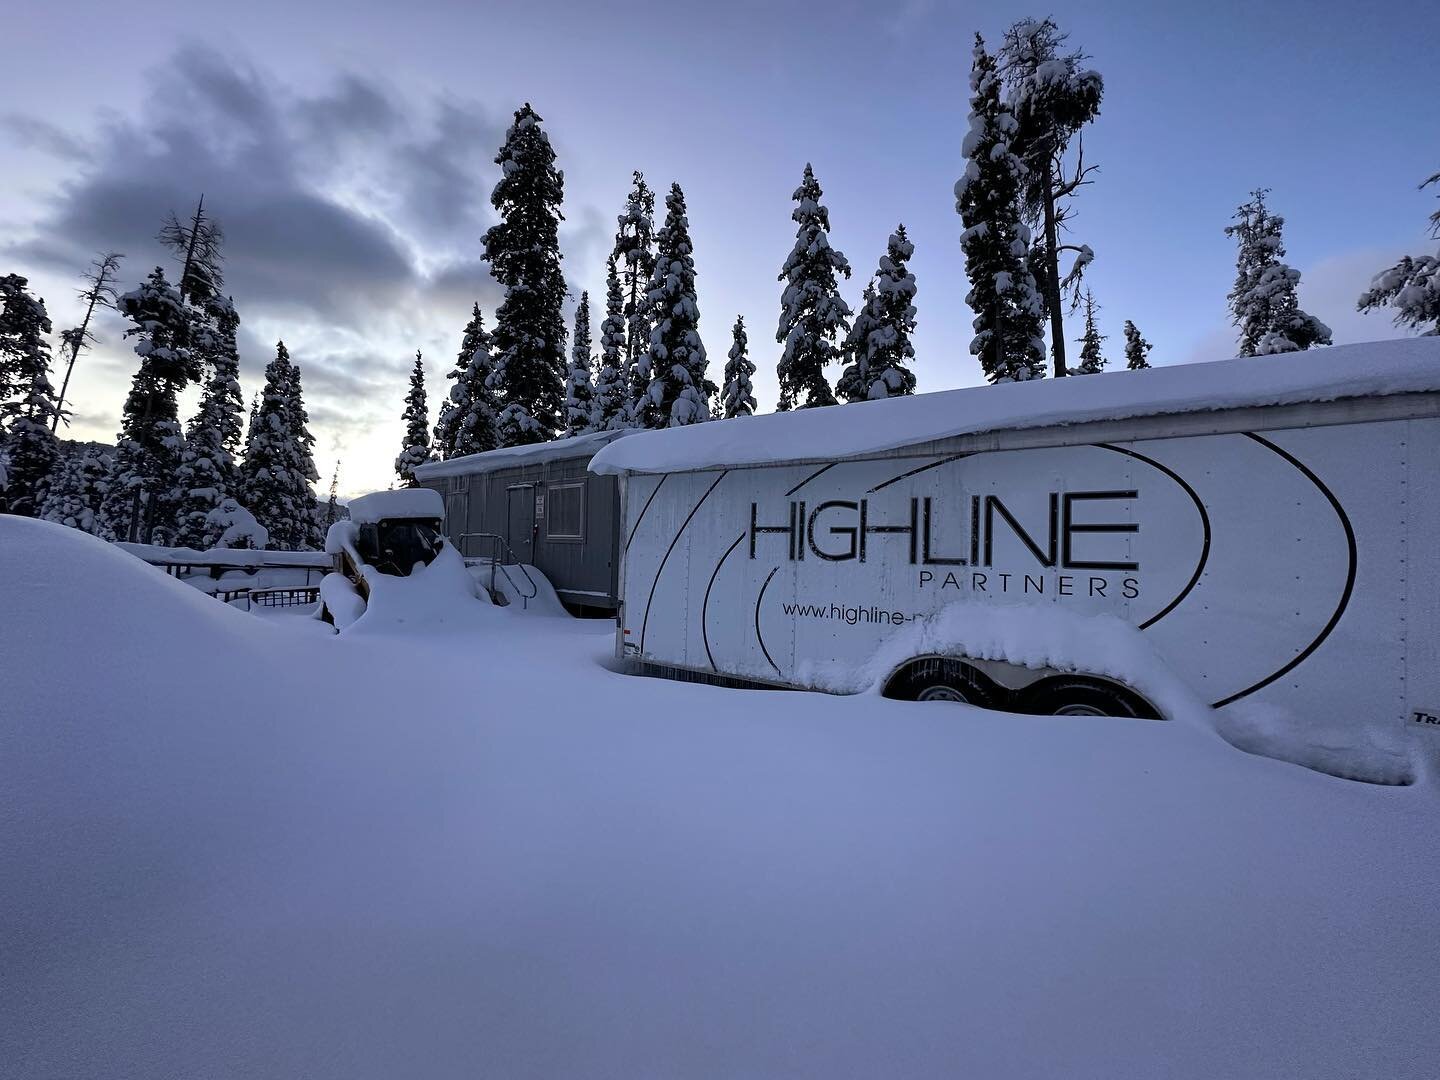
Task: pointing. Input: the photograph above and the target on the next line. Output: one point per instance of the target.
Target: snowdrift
(77, 613)
(232, 850)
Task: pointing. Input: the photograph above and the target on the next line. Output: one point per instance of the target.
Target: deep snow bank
(101, 615)
(226, 850)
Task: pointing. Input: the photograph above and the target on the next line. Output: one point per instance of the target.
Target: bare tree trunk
(1052, 282)
(74, 355)
(98, 292)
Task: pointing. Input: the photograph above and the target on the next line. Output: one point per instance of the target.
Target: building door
(520, 521)
(457, 515)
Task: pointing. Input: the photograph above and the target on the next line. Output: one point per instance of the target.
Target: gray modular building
(538, 505)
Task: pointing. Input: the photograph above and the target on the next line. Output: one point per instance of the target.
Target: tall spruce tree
(466, 424)
(524, 255)
(678, 391)
(415, 446)
(76, 487)
(612, 383)
(813, 316)
(1051, 96)
(580, 406)
(1092, 361)
(209, 469)
(140, 503)
(739, 393)
(878, 347)
(854, 381)
(1264, 302)
(27, 400)
(634, 256)
(1411, 288)
(1137, 349)
(1009, 311)
(278, 469)
(99, 292)
(310, 537)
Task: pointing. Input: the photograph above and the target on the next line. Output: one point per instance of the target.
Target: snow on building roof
(1382, 368)
(401, 503)
(508, 456)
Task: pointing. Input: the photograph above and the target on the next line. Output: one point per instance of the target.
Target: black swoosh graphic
(705, 604)
(678, 532)
(758, 636)
(1204, 523)
(1349, 574)
(641, 517)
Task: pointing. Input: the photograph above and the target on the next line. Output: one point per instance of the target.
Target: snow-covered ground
(244, 847)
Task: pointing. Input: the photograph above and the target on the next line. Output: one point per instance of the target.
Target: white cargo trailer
(1271, 526)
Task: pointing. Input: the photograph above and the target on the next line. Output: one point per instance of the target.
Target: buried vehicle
(1264, 528)
(389, 532)
(395, 531)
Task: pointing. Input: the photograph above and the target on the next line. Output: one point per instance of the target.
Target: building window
(565, 511)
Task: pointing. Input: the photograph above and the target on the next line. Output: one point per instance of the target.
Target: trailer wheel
(1084, 697)
(938, 679)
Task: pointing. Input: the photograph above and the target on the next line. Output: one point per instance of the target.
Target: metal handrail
(499, 543)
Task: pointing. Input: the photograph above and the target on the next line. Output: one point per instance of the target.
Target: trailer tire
(941, 679)
(1079, 696)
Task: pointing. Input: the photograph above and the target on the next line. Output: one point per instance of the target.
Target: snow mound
(402, 503)
(523, 586)
(1033, 636)
(1344, 371)
(441, 597)
(69, 600)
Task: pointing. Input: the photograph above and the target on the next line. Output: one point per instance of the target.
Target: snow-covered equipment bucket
(1255, 536)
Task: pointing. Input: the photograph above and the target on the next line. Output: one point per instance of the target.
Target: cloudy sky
(347, 150)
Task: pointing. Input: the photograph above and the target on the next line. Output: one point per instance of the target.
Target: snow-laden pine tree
(310, 535)
(415, 445)
(1092, 361)
(31, 449)
(140, 504)
(524, 255)
(210, 462)
(278, 468)
(612, 382)
(1264, 302)
(634, 256)
(199, 487)
(739, 394)
(27, 400)
(813, 316)
(1412, 286)
(76, 487)
(854, 380)
(1052, 95)
(466, 424)
(580, 411)
(1009, 336)
(1137, 349)
(678, 391)
(878, 347)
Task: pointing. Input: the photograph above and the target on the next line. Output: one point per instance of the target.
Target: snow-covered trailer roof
(1378, 369)
(510, 456)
